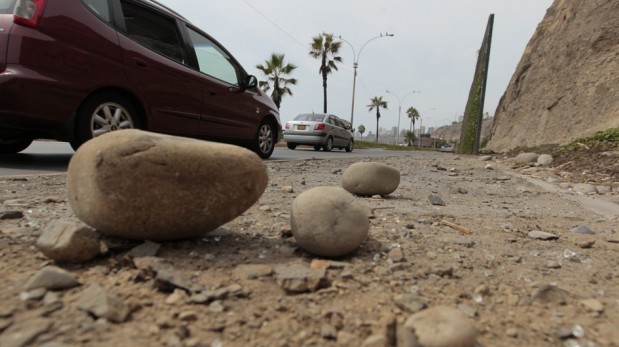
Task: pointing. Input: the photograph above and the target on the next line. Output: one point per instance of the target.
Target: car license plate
(301, 127)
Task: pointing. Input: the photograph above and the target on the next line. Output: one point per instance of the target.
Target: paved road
(49, 157)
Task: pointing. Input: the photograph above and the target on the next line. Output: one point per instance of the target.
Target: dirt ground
(476, 252)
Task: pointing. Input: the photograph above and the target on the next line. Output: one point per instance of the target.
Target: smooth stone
(66, 241)
(585, 188)
(142, 185)
(545, 159)
(329, 221)
(436, 200)
(442, 326)
(375, 341)
(526, 158)
(370, 178)
(541, 235)
(582, 229)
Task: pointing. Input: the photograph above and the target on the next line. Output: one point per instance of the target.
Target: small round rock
(442, 326)
(329, 221)
(370, 178)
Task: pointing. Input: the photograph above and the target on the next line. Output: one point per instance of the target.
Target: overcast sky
(434, 50)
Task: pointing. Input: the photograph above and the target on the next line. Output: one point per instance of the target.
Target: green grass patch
(606, 138)
(368, 144)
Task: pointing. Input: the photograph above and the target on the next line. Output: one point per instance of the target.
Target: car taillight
(287, 125)
(29, 12)
(319, 126)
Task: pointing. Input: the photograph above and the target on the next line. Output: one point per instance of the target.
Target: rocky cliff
(566, 84)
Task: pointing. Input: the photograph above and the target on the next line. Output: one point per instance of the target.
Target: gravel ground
(504, 250)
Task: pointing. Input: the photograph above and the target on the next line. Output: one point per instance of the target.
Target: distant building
(425, 140)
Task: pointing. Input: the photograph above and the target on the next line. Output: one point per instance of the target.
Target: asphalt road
(44, 157)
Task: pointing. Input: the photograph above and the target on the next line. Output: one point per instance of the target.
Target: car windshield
(6, 6)
(310, 117)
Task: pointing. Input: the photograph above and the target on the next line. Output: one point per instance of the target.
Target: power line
(274, 24)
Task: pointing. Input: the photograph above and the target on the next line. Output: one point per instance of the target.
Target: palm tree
(376, 103)
(361, 130)
(324, 48)
(410, 137)
(413, 114)
(275, 70)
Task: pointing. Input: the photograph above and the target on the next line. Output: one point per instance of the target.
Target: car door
(154, 57)
(229, 111)
(336, 131)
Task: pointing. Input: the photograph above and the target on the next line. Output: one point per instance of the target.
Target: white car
(447, 148)
(319, 130)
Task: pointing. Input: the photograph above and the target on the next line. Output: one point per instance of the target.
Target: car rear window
(6, 6)
(310, 117)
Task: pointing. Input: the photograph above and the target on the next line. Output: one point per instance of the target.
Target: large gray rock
(66, 241)
(370, 178)
(142, 185)
(329, 221)
(442, 326)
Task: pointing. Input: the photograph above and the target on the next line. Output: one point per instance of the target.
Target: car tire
(317, 147)
(328, 146)
(12, 146)
(265, 139)
(350, 146)
(291, 145)
(103, 113)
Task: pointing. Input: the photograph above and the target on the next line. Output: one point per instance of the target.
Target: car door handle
(139, 62)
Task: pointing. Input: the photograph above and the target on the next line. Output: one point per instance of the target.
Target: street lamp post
(355, 65)
(397, 136)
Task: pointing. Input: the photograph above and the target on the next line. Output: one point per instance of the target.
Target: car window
(6, 6)
(310, 117)
(99, 7)
(152, 30)
(212, 60)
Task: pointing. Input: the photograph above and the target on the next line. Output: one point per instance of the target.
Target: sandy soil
(476, 253)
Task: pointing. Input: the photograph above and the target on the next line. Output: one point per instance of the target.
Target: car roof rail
(167, 8)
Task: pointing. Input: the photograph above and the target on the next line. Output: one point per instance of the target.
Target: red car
(71, 70)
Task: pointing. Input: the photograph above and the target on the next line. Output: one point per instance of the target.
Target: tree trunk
(324, 89)
(377, 118)
(324, 79)
(276, 95)
(413, 123)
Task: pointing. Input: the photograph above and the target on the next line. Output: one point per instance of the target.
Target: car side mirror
(251, 82)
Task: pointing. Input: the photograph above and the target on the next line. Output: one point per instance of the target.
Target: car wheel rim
(110, 117)
(265, 138)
